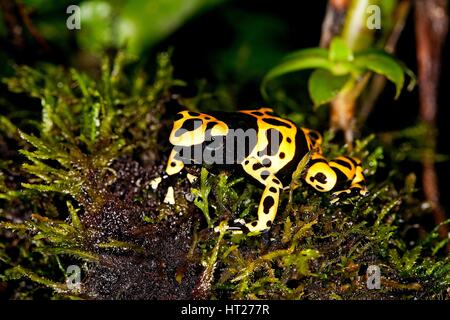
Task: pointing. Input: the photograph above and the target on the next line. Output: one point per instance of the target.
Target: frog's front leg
(174, 166)
(267, 210)
(268, 205)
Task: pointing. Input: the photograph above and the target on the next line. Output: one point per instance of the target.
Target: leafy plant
(201, 195)
(337, 69)
(68, 157)
(107, 24)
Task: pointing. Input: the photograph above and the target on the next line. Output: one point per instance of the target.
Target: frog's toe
(238, 226)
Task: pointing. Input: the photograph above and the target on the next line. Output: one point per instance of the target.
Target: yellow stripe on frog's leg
(353, 190)
(174, 165)
(268, 205)
(359, 182)
(339, 195)
(359, 175)
(345, 168)
(267, 210)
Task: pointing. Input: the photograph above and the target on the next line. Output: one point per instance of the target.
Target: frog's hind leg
(352, 167)
(335, 175)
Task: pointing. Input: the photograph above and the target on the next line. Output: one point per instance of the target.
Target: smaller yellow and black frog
(271, 150)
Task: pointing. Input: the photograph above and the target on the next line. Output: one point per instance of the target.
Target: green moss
(75, 189)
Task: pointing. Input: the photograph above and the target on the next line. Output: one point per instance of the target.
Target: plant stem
(333, 21)
(378, 83)
(342, 113)
(431, 29)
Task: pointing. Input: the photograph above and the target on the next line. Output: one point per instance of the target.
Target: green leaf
(126, 23)
(301, 260)
(36, 142)
(339, 51)
(91, 121)
(96, 26)
(7, 127)
(74, 215)
(306, 53)
(323, 86)
(201, 195)
(301, 60)
(47, 109)
(19, 272)
(382, 63)
(410, 258)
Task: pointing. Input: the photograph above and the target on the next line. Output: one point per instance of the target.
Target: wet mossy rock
(75, 189)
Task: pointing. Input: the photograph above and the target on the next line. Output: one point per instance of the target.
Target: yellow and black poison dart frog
(269, 149)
